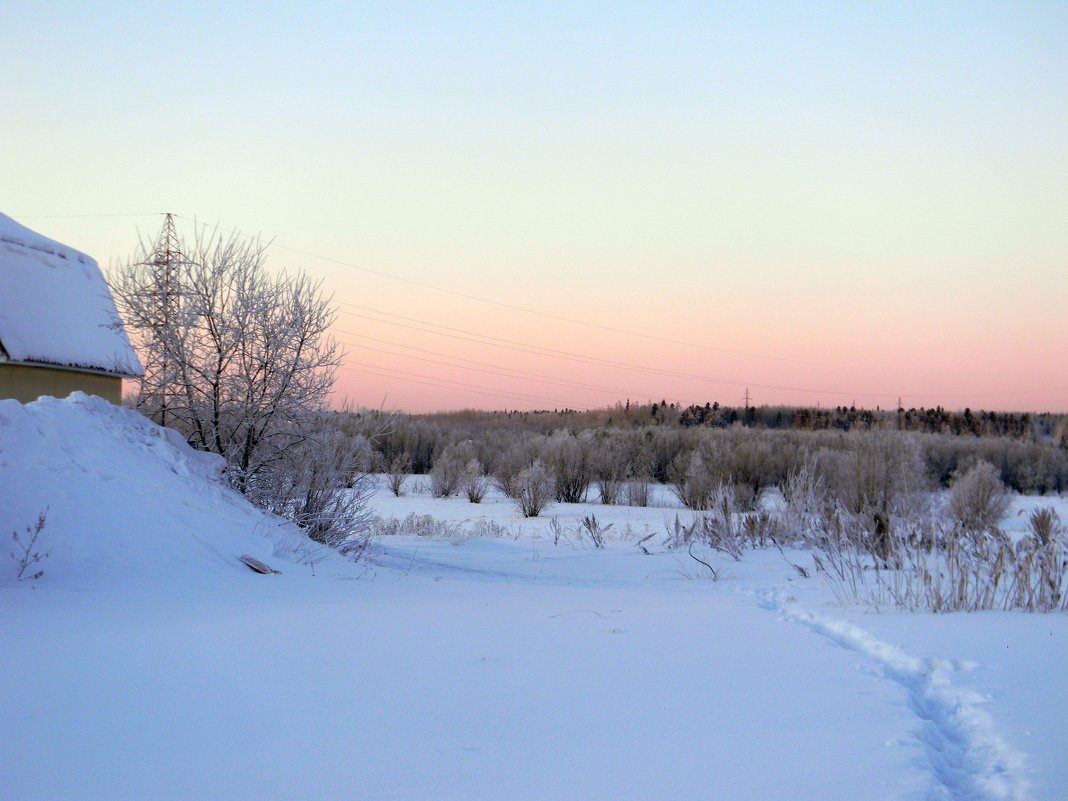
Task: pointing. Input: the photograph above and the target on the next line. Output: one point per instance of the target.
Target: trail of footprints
(967, 758)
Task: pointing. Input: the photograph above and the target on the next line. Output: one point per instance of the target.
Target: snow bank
(124, 496)
(55, 307)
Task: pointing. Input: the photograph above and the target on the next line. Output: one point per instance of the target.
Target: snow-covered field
(486, 662)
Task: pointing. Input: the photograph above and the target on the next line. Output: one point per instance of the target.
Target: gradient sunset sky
(542, 205)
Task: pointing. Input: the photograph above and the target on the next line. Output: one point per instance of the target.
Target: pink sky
(836, 202)
(418, 349)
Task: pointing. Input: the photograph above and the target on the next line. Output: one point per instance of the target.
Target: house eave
(68, 367)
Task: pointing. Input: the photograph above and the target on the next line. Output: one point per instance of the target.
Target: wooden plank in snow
(257, 565)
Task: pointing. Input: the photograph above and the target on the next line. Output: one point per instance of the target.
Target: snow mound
(124, 497)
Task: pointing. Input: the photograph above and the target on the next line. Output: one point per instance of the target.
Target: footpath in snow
(964, 753)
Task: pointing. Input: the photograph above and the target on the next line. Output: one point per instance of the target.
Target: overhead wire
(484, 367)
(593, 325)
(527, 348)
(445, 383)
(453, 332)
(518, 347)
(89, 216)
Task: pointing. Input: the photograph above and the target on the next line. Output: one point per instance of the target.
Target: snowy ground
(148, 663)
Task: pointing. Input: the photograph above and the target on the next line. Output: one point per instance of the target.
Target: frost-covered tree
(249, 361)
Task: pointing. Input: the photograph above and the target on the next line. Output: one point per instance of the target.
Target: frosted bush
(320, 484)
(450, 470)
(978, 499)
(398, 470)
(534, 487)
(512, 462)
(413, 525)
(475, 483)
(805, 499)
(610, 468)
(568, 457)
(694, 482)
(636, 492)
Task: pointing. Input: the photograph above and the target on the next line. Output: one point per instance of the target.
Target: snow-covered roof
(55, 307)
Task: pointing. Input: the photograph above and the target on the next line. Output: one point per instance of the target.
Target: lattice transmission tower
(165, 263)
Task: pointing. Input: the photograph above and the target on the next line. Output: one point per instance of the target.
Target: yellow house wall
(26, 383)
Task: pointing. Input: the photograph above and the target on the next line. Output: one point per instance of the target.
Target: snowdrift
(123, 495)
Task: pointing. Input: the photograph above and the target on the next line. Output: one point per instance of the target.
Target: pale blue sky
(880, 187)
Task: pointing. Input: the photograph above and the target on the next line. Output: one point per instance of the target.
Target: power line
(464, 335)
(415, 378)
(486, 367)
(90, 216)
(519, 347)
(599, 326)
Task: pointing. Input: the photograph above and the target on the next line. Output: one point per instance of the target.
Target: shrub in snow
(721, 528)
(568, 458)
(636, 492)
(634, 488)
(610, 490)
(397, 471)
(806, 502)
(449, 472)
(1041, 571)
(27, 553)
(761, 528)
(475, 482)
(510, 463)
(877, 471)
(978, 499)
(414, 525)
(923, 564)
(534, 487)
(693, 481)
(557, 532)
(1046, 525)
(594, 530)
(610, 467)
(321, 485)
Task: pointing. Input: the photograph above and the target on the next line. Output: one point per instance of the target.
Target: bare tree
(250, 365)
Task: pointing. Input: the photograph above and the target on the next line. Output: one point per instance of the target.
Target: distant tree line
(936, 420)
(664, 443)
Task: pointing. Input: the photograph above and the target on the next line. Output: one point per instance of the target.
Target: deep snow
(149, 663)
